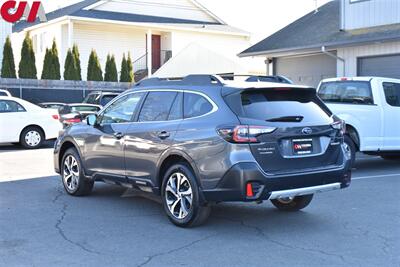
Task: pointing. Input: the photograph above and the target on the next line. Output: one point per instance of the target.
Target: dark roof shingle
(318, 29)
(78, 10)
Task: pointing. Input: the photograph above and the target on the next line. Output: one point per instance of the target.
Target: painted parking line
(376, 176)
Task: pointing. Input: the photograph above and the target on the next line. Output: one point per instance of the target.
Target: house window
(42, 42)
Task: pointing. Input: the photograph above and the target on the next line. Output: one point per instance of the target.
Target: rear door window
(157, 106)
(8, 106)
(196, 105)
(349, 92)
(291, 105)
(392, 93)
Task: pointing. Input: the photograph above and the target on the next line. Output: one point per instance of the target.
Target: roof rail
(257, 78)
(195, 79)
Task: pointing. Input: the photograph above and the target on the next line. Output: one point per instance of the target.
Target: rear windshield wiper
(287, 119)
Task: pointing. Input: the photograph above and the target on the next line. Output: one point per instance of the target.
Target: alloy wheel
(179, 195)
(33, 138)
(71, 173)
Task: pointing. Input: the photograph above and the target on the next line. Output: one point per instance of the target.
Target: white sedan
(24, 123)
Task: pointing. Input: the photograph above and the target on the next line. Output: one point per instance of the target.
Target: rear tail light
(75, 120)
(340, 125)
(244, 133)
(56, 117)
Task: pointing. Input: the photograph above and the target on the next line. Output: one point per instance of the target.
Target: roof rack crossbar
(196, 79)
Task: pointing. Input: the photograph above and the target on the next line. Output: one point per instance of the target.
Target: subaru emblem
(307, 131)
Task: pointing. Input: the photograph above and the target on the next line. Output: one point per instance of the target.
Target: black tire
(29, 143)
(82, 186)
(352, 149)
(197, 213)
(391, 157)
(296, 204)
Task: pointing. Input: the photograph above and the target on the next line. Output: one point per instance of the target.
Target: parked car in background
(53, 105)
(27, 124)
(202, 140)
(4, 93)
(100, 98)
(75, 113)
(371, 108)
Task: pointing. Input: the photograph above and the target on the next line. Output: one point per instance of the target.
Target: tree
(111, 74)
(130, 68)
(55, 62)
(75, 52)
(70, 71)
(46, 72)
(126, 69)
(51, 64)
(8, 64)
(124, 77)
(94, 69)
(27, 65)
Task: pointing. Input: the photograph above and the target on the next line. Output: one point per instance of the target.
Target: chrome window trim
(214, 105)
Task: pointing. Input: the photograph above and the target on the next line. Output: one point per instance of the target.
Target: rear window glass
(284, 106)
(196, 105)
(392, 93)
(106, 99)
(350, 92)
(91, 99)
(84, 108)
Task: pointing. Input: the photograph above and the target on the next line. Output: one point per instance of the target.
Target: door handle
(119, 135)
(164, 135)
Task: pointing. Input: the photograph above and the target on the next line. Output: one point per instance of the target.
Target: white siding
(350, 54)
(108, 39)
(369, 13)
(182, 9)
(5, 30)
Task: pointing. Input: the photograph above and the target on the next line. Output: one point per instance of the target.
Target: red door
(156, 51)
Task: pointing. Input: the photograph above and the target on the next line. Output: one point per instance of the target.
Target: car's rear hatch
(302, 139)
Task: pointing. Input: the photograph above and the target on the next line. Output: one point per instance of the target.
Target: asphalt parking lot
(41, 226)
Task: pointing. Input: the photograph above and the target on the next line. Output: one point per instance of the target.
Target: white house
(342, 38)
(153, 31)
(5, 30)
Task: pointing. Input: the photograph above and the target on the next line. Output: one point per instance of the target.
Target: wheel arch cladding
(64, 147)
(353, 133)
(170, 160)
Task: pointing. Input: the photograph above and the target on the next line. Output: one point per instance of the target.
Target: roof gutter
(323, 50)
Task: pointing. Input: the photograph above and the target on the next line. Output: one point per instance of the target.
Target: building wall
(368, 13)
(350, 54)
(5, 30)
(108, 39)
(306, 70)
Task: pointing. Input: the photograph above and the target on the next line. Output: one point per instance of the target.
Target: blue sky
(259, 17)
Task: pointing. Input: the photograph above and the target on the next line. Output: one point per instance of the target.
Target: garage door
(382, 66)
(306, 70)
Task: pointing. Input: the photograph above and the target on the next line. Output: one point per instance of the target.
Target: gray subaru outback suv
(202, 140)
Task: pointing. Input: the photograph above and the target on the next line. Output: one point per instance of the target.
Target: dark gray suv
(202, 140)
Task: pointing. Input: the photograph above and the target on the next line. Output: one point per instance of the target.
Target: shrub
(27, 65)
(94, 69)
(8, 64)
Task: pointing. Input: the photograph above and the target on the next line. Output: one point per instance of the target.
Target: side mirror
(91, 120)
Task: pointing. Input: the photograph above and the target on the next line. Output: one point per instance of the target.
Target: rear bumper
(232, 186)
